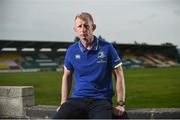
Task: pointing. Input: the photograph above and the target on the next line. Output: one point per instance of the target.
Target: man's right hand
(58, 108)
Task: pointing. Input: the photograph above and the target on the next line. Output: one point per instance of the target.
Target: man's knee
(70, 111)
(64, 111)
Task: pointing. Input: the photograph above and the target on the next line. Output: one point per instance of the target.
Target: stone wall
(14, 100)
(18, 102)
(46, 112)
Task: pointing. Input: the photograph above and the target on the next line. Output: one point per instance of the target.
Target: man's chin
(84, 39)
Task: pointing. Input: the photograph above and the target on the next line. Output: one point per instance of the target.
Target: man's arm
(120, 90)
(120, 84)
(66, 86)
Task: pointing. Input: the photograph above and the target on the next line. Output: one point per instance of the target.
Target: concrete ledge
(13, 100)
(158, 113)
(41, 111)
(18, 102)
(44, 112)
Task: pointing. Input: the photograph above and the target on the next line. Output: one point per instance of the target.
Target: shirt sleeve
(67, 61)
(115, 59)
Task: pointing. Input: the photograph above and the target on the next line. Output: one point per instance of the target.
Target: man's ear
(74, 29)
(94, 27)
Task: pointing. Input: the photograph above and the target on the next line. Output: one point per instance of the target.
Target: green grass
(153, 87)
(145, 87)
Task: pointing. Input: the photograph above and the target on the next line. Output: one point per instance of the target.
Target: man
(92, 60)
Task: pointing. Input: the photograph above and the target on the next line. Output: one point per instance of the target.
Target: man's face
(84, 29)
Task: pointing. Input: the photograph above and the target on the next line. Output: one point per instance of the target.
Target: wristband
(121, 103)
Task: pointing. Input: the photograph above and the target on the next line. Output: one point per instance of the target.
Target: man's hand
(58, 108)
(118, 110)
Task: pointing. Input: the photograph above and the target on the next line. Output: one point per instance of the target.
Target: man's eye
(79, 26)
(86, 26)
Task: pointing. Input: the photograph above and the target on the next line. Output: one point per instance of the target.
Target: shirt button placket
(86, 55)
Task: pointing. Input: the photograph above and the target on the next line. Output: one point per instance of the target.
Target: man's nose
(84, 28)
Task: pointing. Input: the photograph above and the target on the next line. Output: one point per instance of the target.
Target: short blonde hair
(85, 16)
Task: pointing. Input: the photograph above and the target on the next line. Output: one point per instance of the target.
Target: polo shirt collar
(94, 47)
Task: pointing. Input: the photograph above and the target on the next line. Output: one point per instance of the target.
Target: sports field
(145, 87)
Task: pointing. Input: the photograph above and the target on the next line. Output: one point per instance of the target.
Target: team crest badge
(77, 56)
(101, 57)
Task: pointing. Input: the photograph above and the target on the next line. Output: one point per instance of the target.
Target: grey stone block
(45, 111)
(28, 101)
(13, 99)
(139, 113)
(16, 91)
(41, 111)
(11, 107)
(167, 113)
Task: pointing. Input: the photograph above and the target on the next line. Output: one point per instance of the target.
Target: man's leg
(100, 109)
(73, 108)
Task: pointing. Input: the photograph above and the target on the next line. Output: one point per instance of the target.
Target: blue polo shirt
(92, 69)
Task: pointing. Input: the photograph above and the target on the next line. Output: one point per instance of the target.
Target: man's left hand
(118, 110)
